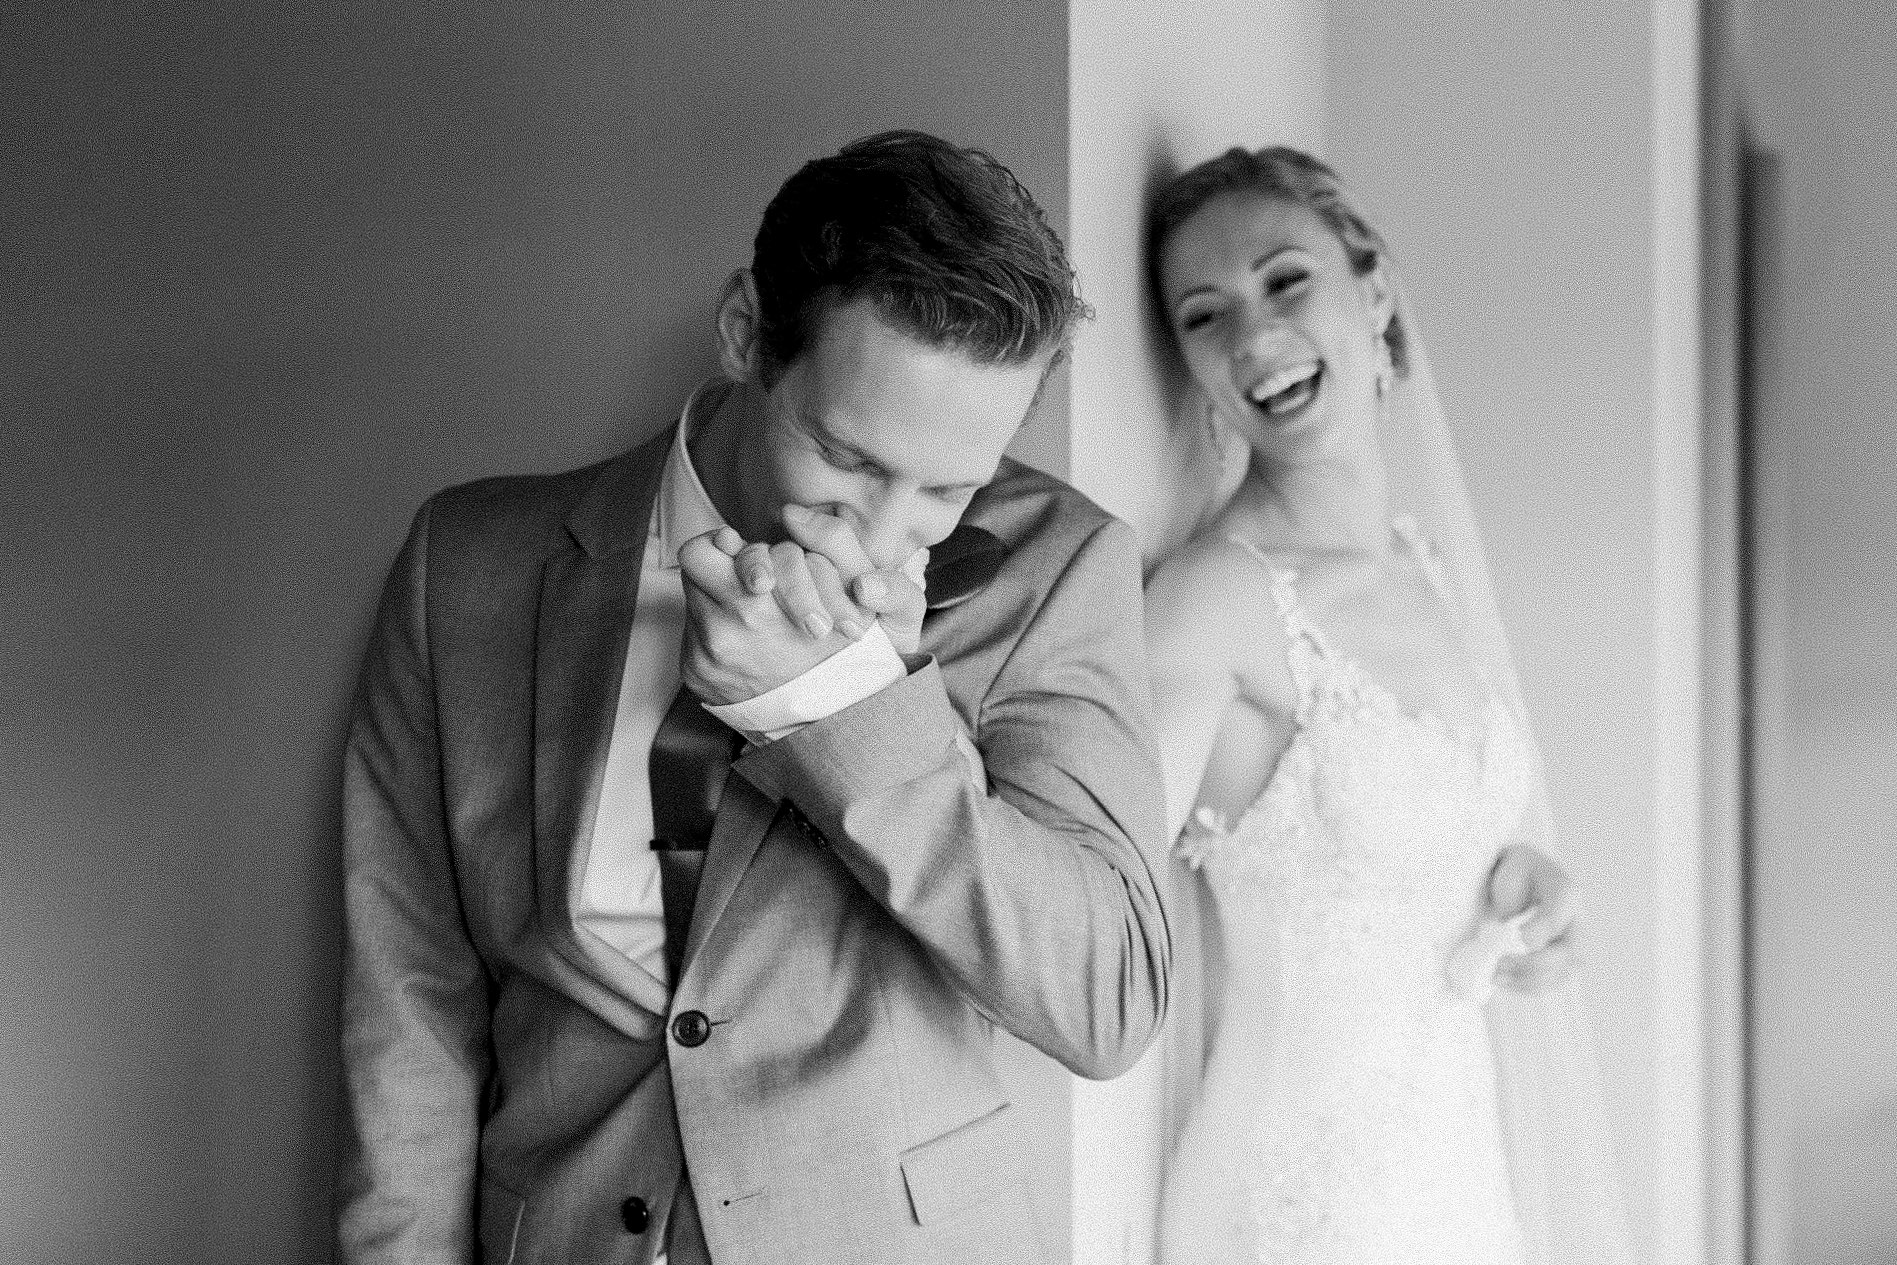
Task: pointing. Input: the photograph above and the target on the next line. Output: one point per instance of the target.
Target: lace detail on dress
(1372, 1119)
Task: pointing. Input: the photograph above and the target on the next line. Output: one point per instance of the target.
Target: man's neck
(717, 443)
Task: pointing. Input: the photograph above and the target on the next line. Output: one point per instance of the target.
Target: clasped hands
(758, 615)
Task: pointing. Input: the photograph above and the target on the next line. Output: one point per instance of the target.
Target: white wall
(1152, 89)
(1822, 95)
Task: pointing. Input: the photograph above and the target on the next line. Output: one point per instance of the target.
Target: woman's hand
(1522, 878)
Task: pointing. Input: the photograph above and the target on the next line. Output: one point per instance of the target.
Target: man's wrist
(864, 667)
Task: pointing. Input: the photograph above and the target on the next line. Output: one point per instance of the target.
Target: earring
(1386, 369)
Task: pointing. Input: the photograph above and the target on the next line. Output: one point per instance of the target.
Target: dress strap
(1306, 650)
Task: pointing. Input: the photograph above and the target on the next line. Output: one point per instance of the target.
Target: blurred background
(272, 274)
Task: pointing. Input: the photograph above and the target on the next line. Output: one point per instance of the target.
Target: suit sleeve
(414, 1003)
(1033, 886)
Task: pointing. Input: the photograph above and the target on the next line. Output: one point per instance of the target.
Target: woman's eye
(1285, 281)
(1196, 320)
(842, 460)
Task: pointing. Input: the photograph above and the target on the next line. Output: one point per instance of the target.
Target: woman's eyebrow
(1271, 255)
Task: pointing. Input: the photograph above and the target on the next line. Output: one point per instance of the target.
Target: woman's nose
(1258, 329)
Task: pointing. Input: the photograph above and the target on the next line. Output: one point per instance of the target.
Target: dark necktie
(691, 754)
(961, 566)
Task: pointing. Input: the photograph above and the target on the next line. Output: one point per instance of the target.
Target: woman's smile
(1288, 390)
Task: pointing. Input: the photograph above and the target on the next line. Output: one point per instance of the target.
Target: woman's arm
(1222, 695)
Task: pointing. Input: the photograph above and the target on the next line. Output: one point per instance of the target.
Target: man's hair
(943, 241)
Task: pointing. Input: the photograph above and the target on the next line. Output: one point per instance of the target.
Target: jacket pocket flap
(964, 1166)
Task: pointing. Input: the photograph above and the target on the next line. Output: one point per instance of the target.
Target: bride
(1352, 775)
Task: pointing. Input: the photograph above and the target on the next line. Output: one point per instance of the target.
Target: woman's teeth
(1287, 390)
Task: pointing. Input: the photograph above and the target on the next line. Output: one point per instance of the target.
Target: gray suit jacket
(880, 893)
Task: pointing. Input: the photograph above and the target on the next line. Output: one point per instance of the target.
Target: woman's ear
(1380, 292)
(740, 354)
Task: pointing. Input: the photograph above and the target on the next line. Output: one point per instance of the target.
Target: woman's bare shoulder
(1209, 608)
(1209, 574)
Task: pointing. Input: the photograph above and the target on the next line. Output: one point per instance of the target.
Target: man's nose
(895, 525)
(889, 539)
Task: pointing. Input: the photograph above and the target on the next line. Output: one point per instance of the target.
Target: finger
(797, 593)
(755, 569)
(828, 535)
(1553, 918)
(1541, 969)
(891, 595)
(708, 571)
(850, 619)
(728, 541)
(1510, 886)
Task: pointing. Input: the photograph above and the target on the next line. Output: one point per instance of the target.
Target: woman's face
(1277, 328)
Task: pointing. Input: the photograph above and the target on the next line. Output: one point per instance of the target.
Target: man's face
(886, 433)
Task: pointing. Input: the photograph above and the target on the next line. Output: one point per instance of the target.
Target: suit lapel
(744, 818)
(588, 593)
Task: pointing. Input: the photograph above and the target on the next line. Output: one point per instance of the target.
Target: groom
(708, 809)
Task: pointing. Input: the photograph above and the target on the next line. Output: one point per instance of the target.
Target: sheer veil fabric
(1566, 1183)
(1567, 1186)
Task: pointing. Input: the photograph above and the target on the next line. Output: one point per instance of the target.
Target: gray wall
(272, 273)
(1822, 94)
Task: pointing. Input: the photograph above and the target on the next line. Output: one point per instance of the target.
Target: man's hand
(890, 595)
(757, 615)
(1524, 877)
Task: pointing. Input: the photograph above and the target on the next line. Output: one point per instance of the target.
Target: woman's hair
(1277, 171)
(943, 240)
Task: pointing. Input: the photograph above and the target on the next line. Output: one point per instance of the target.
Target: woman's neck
(1338, 504)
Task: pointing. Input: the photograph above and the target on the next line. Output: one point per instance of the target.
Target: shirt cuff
(866, 666)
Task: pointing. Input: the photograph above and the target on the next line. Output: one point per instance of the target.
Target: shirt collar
(683, 508)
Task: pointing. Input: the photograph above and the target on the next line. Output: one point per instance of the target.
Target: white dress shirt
(619, 895)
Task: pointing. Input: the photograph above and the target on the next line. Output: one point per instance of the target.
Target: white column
(1153, 88)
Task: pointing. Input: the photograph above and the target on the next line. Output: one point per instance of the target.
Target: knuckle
(720, 643)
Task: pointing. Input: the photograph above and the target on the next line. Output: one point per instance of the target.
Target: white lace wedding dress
(1348, 1111)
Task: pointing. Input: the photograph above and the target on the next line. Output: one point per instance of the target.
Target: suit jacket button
(634, 1214)
(691, 1029)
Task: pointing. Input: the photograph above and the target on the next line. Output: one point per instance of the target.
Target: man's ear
(740, 354)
